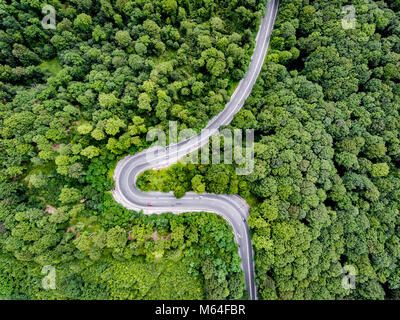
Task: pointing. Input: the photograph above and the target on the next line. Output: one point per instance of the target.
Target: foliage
(326, 113)
(76, 99)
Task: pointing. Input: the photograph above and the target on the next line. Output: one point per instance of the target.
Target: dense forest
(76, 99)
(324, 193)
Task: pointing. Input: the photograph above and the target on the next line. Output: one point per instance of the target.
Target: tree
(380, 170)
(108, 100)
(197, 184)
(83, 22)
(116, 237)
(84, 128)
(98, 34)
(98, 134)
(24, 55)
(69, 195)
(123, 38)
(144, 101)
(113, 126)
(90, 152)
(215, 61)
(151, 28)
(140, 49)
(38, 180)
(60, 215)
(169, 7)
(217, 24)
(179, 192)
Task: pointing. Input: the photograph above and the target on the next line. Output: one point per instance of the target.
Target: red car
(149, 204)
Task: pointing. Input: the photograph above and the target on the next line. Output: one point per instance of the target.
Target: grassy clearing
(52, 66)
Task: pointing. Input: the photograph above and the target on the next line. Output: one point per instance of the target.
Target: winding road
(232, 208)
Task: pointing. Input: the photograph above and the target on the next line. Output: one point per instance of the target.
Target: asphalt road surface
(232, 208)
